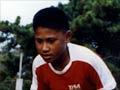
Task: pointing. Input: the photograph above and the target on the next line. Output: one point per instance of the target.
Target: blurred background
(94, 23)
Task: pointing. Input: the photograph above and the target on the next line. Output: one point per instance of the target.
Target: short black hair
(51, 17)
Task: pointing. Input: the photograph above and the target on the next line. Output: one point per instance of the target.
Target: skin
(51, 44)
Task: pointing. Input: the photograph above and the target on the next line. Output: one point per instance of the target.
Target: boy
(60, 64)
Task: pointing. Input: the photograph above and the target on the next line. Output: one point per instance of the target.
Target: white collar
(63, 71)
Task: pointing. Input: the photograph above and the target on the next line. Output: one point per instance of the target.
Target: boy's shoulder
(38, 61)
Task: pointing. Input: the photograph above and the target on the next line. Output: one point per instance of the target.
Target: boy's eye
(51, 40)
(39, 40)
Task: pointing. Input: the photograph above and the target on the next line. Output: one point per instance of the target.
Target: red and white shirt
(85, 71)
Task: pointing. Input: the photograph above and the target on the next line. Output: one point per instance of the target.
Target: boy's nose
(45, 47)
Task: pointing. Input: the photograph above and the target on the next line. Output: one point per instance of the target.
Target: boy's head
(51, 17)
(51, 33)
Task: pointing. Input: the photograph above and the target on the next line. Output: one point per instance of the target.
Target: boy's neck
(62, 62)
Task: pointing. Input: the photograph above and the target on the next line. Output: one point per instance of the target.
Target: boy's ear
(68, 36)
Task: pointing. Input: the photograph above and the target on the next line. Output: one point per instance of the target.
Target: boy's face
(51, 44)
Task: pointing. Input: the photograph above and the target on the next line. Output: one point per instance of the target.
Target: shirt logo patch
(74, 87)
